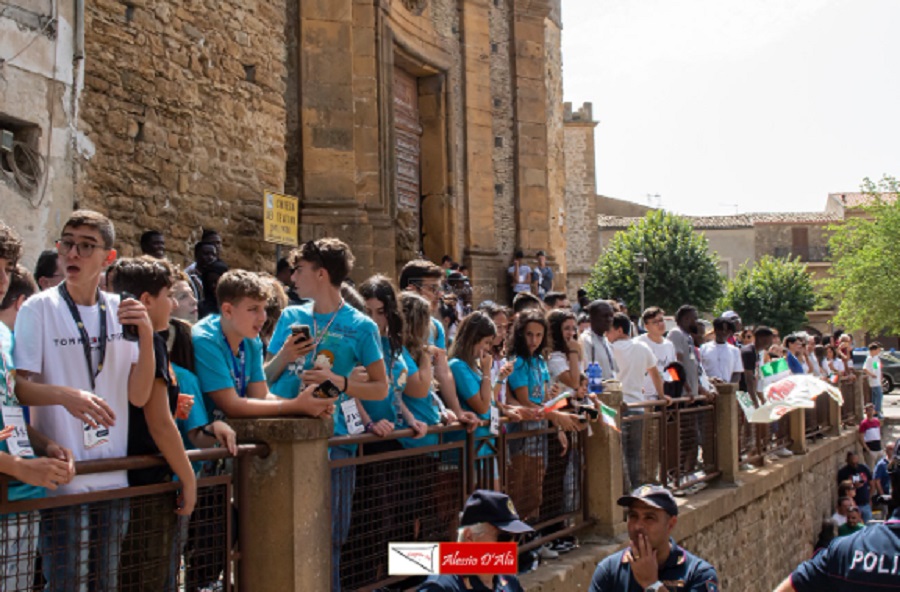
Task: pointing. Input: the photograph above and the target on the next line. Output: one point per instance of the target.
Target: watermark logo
(423, 559)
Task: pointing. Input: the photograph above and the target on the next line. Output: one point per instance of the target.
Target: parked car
(890, 367)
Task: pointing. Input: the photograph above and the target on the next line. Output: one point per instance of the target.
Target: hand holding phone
(300, 333)
(327, 390)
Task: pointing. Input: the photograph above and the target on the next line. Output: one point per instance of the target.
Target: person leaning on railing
(152, 430)
(340, 339)
(19, 532)
(202, 532)
(80, 397)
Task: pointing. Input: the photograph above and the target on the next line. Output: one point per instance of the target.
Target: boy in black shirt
(152, 430)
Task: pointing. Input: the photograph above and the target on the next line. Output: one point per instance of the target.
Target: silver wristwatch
(655, 587)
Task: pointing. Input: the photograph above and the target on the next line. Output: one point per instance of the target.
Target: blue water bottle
(595, 378)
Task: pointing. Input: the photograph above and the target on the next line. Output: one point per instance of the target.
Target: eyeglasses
(63, 247)
(433, 288)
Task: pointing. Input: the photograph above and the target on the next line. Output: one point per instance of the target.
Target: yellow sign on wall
(280, 218)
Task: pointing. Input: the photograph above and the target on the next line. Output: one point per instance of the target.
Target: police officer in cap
(489, 517)
(866, 561)
(653, 562)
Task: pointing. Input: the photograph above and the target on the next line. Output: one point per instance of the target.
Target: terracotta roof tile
(735, 221)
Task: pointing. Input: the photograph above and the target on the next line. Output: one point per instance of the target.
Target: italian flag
(608, 415)
(773, 372)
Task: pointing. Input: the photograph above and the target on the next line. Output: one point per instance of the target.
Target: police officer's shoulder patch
(712, 587)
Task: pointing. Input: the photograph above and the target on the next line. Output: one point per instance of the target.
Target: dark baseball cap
(653, 495)
(495, 508)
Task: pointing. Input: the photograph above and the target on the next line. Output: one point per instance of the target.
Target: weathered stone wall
(504, 138)
(582, 233)
(38, 100)
(758, 544)
(184, 102)
(754, 533)
(556, 157)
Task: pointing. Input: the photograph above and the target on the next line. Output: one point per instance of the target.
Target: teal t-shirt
(424, 409)
(389, 407)
(216, 365)
(531, 373)
(437, 336)
(17, 490)
(197, 418)
(468, 383)
(351, 340)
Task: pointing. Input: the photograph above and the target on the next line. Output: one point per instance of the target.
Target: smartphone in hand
(129, 332)
(327, 390)
(300, 332)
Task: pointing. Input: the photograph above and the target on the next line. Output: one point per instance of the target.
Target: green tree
(773, 292)
(865, 250)
(680, 267)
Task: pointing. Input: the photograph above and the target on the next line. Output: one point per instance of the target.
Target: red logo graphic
(479, 558)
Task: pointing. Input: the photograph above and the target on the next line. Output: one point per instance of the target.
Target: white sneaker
(783, 453)
(545, 553)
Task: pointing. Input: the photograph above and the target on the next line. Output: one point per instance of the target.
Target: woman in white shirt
(564, 361)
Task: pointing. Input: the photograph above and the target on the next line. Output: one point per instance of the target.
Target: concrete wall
(39, 98)
(734, 246)
(770, 237)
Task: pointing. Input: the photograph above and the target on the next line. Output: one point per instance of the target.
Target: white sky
(767, 105)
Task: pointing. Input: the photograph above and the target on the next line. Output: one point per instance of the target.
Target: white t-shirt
(721, 360)
(47, 344)
(633, 359)
(557, 364)
(523, 282)
(665, 355)
(839, 519)
(814, 368)
(837, 364)
(873, 365)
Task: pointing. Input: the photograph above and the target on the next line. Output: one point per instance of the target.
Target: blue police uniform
(867, 561)
(448, 583)
(682, 572)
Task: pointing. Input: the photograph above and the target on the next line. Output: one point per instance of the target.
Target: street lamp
(640, 262)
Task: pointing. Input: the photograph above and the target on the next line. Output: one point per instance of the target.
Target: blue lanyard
(238, 370)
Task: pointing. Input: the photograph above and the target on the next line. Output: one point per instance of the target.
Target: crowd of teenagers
(107, 357)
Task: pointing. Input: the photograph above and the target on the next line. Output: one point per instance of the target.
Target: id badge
(495, 420)
(94, 437)
(19, 444)
(351, 417)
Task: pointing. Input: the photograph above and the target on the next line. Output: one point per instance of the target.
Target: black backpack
(674, 388)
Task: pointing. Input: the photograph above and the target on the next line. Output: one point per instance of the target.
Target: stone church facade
(405, 127)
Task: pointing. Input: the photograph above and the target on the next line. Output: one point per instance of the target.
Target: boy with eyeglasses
(18, 444)
(78, 371)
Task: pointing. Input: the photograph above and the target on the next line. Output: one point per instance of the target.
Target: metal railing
(751, 440)
(416, 494)
(776, 435)
(848, 408)
(817, 421)
(126, 539)
(673, 444)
